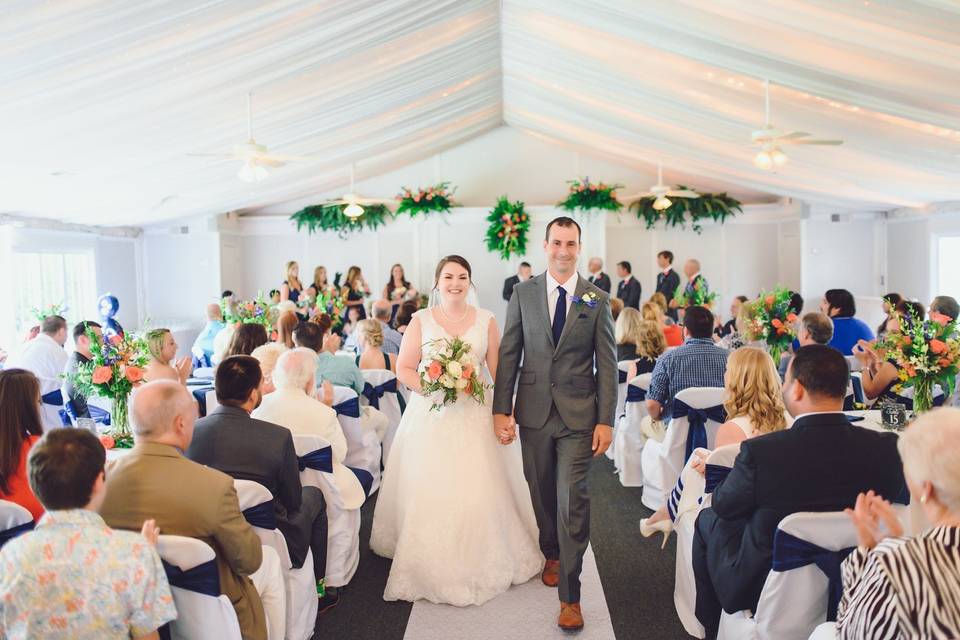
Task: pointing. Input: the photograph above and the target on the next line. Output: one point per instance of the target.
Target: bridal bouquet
(926, 353)
(450, 371)
(770, 318)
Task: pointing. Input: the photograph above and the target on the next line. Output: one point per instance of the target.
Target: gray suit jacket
(561, 374)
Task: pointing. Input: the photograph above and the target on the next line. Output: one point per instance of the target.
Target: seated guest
(48, 588)
(653, 312)
(405, 315)
(246, 448)
(820, 464)
(370, 343)
(661, 301)
(286, 323)
(896, 587)
(275, 296)
(839, 305)
(616, 306)
(20, 427)
(81, 355)
(351, 318)
(890, 302)
(731, 325)
(203, 346)
(188, 499)
(814, 328)
(626, 332)
(391, 338)
(44, 357)
(161, 366)
(754, 406)
(650, 346)
(267, 355)
(881, 377)
(221, 341)
(696, 363)
(245, 339)
(946, 306)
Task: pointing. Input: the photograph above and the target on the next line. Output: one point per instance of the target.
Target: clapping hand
(150, 531)
(505, 428)
(184, 368)
(700, 463)
(867, 514)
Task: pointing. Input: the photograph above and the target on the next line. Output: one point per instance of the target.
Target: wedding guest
(47, 584)
(20, 428)
(286, 323)
(652, 312)
(81, 355)
(405, 315)
(202, 348)
(155, 480)
(626, 332)
(267, 355)
(899, 587)
(274, 296)
(629, 289)
(650, 345)
(354, 291)
(524, 272)
(291, 287)
(658, 299)
(397, 289)
(731, 325)
(320, 281)
(754, 406)
(879, 376)
(821, 463)
(890, 302)
(245, 339)
(796, 303)
(696, 363)
(597, 277)
(227, 295)
(370, 344)
(667, 281)
(814, 328)
(239, 442)
(349, 325)
(839, 305)
(162, 348)
(391, 338)
(945, 305)
(45, 358)
(616, 307)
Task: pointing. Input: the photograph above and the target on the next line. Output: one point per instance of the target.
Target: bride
(454, 511)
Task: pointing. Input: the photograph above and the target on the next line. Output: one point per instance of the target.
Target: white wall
(182, 274)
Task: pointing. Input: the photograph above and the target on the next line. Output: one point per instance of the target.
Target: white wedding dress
(454, 511)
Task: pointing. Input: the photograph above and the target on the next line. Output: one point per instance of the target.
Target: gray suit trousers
(556, 460)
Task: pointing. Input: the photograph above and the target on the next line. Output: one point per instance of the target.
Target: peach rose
(937, 346)
(435, 370)
(102, 375)
(769, 301)
(467, 372)
(777, 323)
(939, 318)
(107, 442)
(791, 317)
(907, 341)
(134, 374)
(944, 362)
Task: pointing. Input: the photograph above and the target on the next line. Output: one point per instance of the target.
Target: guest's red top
(673, 334)
(19, 485)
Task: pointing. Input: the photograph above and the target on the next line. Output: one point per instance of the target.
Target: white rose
(466, 360)
(461, 384)
(447, 381)
(454, 368)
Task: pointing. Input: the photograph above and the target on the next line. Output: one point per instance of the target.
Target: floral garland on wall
(438, 198)
(709, 206)
(330, 217)
(588, 196)
(509, 225)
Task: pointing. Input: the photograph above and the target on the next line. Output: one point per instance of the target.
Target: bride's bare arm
(493, 348)
(409, 358)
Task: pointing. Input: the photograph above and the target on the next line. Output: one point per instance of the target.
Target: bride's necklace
(451, 320)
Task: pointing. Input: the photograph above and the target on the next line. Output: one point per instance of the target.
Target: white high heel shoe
(663, 526)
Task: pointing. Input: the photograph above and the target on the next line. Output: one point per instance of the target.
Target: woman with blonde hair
(353, 292)
(370, 343)
(286, 323)
(320, 281)
(291, 287)
(626, 332)
(654, 312)
(754, 406)
(650, 345)
(162, 348)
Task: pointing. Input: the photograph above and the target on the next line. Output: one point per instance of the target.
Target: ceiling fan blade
(362, 201)
(637, 196)
(280, 157)
(793, 135)
(686, 193)
(268, 161)
(827, 142)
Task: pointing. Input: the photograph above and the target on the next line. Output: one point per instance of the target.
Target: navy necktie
(559, 315)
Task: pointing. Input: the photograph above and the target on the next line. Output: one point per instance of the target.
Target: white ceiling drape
(103, 99)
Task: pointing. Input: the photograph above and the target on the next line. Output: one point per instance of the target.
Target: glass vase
(922, 395)
(119, 419)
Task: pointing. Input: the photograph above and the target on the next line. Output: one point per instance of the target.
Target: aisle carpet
(636, 579)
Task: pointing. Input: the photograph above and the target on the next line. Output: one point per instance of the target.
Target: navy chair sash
(374, 393)
(790, 552)
(320, 460)
(623, 376)
(202, 579)
(261, 515)
(202, 362)
(9, 534)
(697, 418)
(636, 394)
(365, 478)
(54, 398)
(96, 413)
(201, 396)
(349, 408)
(713, 475)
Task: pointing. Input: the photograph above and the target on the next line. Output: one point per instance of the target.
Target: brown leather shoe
(551, 573)
(570, 617)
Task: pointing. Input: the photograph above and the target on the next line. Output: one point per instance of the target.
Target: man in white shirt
(45, 358)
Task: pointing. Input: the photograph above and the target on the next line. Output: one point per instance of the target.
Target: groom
(560, 325)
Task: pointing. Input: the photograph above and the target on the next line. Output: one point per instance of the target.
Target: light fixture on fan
(252, 172)
(661, 203)
(354, 203)
(769, 157)
(353, 210)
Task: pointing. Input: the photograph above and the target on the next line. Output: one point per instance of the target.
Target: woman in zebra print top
(909, 587)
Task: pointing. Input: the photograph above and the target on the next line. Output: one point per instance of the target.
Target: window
(44, 279)
(948, 266)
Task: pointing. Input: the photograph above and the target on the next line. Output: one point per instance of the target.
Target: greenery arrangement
(330, 217)
(926, 353)
(248, 312)
(698, 295)
(435, 199)
(587, 196)
(55, 309)
(509, 225)
(771, 319)
(709, 206)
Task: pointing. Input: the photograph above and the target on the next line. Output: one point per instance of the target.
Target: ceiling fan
(255, 157)
(769, 139)
(660, 192)
(355, 202)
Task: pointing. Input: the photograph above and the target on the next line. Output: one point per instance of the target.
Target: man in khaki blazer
(156, 481)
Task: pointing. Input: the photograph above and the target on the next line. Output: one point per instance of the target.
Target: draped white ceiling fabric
(103, 99)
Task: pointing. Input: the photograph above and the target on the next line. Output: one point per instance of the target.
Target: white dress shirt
(570, 286)
(46, 359)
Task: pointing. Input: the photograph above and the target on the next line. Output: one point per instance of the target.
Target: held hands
(869, 512)
(150, 531)
(602, 437)
(505, 428)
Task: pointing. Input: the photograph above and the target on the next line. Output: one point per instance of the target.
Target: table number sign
(893, 416)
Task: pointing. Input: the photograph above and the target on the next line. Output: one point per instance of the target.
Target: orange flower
(435, 370)
(781, 331)
(102, 375)
(907, 341)
(791, 317)
(939, 318)
(777, 323)
(937, 346)
(944, 362)
(107, 442)
(467, 372)
(769, 301)
(134, 374)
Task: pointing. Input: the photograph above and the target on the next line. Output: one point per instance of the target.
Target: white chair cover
(662, 462)
(794, 602)
(825, 631)
(627, 437)
(211, 401)
(363, 446)
(198, 615)
(389, 404)
(343, 511)
(622, 368)
(14, 521)
(300, 611)
(204, 373)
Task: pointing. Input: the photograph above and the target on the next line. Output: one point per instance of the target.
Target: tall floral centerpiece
(926, 353)
(114, 370)
(248, 312)
(770, 318)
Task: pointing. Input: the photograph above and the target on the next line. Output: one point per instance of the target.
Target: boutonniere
(588, 299)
